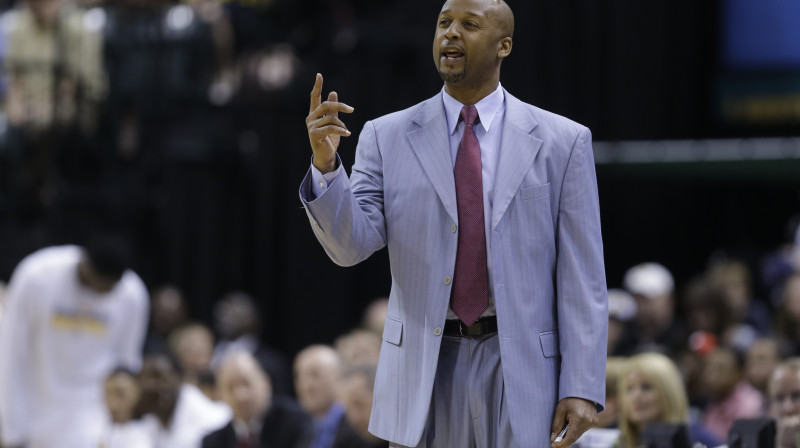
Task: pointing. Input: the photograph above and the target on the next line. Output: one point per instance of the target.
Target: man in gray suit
(496, 330)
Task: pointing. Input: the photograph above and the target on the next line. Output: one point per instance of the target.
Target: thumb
(559, 420)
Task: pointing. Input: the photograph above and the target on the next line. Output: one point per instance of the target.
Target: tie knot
(469, 114)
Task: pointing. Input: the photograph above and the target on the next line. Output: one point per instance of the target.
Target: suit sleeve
(580, 274)
(347, 218)
(15, 328)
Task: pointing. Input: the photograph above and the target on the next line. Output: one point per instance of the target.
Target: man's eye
(472, 24)
(444, 22)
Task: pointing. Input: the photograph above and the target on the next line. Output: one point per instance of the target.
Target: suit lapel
(432, 147)
(518, 150)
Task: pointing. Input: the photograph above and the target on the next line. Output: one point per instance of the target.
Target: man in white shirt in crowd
(178, 415)
(72, 315)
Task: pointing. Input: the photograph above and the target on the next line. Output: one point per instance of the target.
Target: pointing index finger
(316, 93)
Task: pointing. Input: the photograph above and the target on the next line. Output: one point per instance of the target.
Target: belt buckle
(461, 328)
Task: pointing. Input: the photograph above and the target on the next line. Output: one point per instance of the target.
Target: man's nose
(453, 32)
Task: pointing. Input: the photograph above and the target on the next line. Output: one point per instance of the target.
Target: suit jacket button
(447, 280)
(437, 331)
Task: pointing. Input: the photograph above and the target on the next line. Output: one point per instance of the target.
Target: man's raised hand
(324, 127)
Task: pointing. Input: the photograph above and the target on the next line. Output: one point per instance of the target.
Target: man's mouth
(451, 52)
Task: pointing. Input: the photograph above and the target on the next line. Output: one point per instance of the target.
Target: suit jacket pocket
(549, 341)
(539, 191)
(393, 331)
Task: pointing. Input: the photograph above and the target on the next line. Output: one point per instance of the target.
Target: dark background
(229, 218)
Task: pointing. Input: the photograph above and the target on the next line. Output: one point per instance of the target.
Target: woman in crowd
(651, 391)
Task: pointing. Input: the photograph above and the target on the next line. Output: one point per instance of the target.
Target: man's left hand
(579, 413)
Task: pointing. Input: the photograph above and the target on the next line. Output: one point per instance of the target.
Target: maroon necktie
(470, 294)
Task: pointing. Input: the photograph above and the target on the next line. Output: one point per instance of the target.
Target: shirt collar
(487, 108)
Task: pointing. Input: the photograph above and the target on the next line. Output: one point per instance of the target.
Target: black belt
(481, 327)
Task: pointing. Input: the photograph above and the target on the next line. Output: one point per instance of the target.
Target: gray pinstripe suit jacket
(546, 253)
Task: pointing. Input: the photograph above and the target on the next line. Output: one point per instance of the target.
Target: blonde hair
(661, 372)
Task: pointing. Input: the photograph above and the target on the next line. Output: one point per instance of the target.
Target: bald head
(316, 371)
(244, 386)
(498, 11)
(505, 18)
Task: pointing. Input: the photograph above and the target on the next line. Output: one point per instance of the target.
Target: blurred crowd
(90, 359)
(706, 353)
(87, 352)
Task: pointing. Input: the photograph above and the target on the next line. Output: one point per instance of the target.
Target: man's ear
(504, 47)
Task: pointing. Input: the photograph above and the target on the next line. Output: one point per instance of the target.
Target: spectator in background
(656, 328)
(317, 370)
(748, 317)
(167, 313)
(781, 263)
(355, 393)
(260, 419)
(237, 322)
(784, 398)
(615, 367)
(358, 347)
(193, 346)
(651, 391)
(375, 315)
(704, 308)
(762, 358)
(122, 397)
(54, 67)
(178, 415)
(621, 312)
(788, 322)
(55, 85)
(606, 432)
(72, 315)
(731, 397)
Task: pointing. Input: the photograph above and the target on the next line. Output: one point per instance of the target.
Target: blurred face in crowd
(784, 393)
(160, 384)
(375, 315)
(168, 310)
(615, 329)
(721, 373)
(762, 357)
(359, 347)
(653, 313)
(244, 386)
(122, 396)
(235, 315)
(316, 371)
(356, 396)
(642, 399)
(194, 348)
(731, 281)
(791, 298)
(92, 279)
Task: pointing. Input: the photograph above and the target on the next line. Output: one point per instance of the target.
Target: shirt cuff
(320, 182)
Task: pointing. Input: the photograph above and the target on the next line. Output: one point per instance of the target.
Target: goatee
(452, 77)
